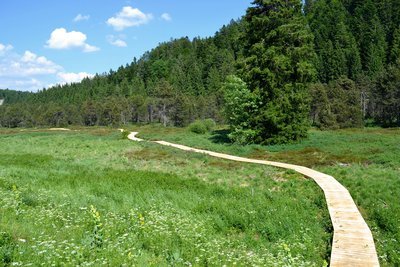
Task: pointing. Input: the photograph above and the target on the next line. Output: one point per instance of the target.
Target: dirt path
(352, 244)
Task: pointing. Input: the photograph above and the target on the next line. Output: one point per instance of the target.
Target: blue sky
(45, 42)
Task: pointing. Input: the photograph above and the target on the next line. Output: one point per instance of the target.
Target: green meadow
(88, 197)
(366, 161)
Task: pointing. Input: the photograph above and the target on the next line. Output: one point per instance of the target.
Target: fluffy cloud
(28, 64)
(72, 77)
(81, 17)
(119, 43)
(115, 41)
(61, 39)
(129, 17)
(166, 17)
(4, 48)
(30, 72)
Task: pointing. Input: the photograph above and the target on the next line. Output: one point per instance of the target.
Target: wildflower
(141, 219)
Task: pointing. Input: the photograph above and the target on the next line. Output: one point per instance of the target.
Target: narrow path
(353, 244)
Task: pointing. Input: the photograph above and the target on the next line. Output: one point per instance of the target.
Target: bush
(209, 124)
(197, 127)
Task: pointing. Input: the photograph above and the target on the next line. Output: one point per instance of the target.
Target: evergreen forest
(281, 68)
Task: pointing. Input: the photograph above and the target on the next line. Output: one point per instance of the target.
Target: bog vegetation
(329, 63)
(90, 198)
(365, 161)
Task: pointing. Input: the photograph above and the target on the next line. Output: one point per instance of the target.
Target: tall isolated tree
(278, 69)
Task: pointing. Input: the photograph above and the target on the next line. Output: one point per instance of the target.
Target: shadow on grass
(220, 137)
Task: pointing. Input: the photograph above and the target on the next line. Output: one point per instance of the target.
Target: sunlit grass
(89, 197)
(366, 161)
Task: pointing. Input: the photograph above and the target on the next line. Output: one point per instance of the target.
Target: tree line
(327, 63)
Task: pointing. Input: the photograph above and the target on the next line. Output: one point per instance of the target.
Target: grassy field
(365, 161)
(89, 198)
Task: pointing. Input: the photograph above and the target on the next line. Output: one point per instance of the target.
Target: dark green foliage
(395, 49)
(321, 113)
(335, 44)
(345, 103)
(387, 97)
(336, 105)
(7, 246)
(370, 36)
(277, 67)
(11, 96)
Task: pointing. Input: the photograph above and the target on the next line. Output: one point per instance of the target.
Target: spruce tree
(335, 45)
(278, 68)
(370, 36)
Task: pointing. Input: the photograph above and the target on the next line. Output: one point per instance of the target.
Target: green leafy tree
(278, 67)
(240, 107)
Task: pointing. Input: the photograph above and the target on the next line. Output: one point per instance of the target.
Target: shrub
(197, 127)
(209, 124)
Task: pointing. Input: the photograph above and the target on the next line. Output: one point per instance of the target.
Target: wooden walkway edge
(353, 244)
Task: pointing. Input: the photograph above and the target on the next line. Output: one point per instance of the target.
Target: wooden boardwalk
(353, 244)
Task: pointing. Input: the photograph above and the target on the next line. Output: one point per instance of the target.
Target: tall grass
(366, 161)
(90, 198)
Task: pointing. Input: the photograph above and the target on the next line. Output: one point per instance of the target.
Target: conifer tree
(370, 36)
(278, 68)
(335, 45)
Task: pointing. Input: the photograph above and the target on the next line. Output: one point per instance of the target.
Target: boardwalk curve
(353, 244)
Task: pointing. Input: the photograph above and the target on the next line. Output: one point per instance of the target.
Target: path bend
(353, 244)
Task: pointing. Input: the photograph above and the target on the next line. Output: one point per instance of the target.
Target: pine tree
(370, 36)
(335, 45)
(278, 68)
(387, 97)
(395, 50)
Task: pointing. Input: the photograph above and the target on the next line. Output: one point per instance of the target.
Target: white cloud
(115, 41)
(61, 39)
(166, 17)
(28, 64)
(71, 77)
(30, 72)
(26, 84)
(119, 43)
(4, 48)
(129, 17)
(81, 17)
